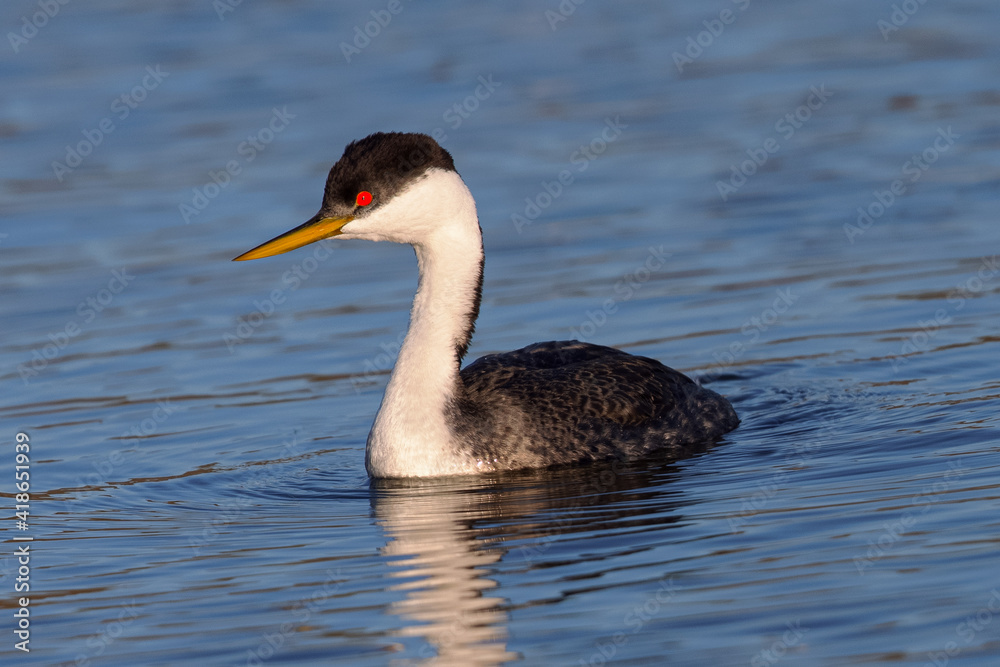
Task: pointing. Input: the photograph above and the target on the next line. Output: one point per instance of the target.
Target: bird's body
(546, 404)
(567, 402)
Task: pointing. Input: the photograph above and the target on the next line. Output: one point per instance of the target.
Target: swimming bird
(548, 404)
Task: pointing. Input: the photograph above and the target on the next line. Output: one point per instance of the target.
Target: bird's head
(386, 187)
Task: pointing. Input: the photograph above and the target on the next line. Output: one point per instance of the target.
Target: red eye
(364, 198)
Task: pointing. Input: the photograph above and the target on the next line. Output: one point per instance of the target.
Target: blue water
(197, 427)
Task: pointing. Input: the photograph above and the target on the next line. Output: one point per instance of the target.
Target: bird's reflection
(447, 538)
(444, 574)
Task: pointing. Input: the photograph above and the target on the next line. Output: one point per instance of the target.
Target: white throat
(411, 435)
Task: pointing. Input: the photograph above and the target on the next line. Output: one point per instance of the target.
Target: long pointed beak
(315, 229)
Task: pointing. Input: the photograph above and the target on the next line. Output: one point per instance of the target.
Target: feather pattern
(565, 402)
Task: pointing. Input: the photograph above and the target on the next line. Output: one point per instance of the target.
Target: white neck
(411, 435)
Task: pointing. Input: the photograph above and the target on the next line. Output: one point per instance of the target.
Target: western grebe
(547, 404)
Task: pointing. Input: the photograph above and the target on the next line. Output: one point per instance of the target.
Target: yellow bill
(316, 229)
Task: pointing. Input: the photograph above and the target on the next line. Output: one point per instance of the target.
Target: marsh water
(794, 202)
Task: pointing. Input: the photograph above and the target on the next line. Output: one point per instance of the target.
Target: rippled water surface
(798, 210)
